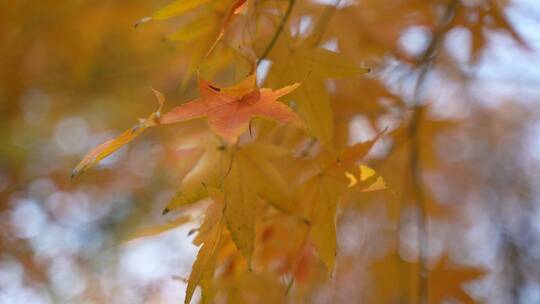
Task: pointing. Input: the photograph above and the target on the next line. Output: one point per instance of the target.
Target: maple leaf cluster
(279, 174)
(275, 189)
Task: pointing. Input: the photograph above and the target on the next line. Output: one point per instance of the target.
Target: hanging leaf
(155, 230)
(252, 176)
(203, 268)
(228, 111)
(310, 65)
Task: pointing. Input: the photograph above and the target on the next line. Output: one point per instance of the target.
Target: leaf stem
(277, 33)
(324, 21)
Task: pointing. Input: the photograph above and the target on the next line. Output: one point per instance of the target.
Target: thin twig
(324, 21)
(426, 61)
(277, 33)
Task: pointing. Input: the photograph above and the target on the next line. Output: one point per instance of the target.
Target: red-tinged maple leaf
(228, 110)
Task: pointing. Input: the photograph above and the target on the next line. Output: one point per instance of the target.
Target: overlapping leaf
(204, 31)
(228, 110)
(320, 194)
(252, 176)
(311, 65)
(210, 232)
(401, 281)
(206, 173)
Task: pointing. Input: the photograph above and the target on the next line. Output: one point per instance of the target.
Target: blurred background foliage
(466, 73)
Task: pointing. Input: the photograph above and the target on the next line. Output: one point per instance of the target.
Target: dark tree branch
(426, 62)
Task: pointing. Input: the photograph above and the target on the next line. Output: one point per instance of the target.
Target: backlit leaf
(228, 115)
(203, 268)
(155, 230)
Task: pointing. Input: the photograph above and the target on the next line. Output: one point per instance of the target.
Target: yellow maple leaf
(310, 65)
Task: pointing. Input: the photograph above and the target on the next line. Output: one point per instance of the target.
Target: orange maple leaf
(228, 110)
(447, 280)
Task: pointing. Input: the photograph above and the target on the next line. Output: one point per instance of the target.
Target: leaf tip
(352, 179)
(76, 172)
(141, 21)
(160, 99)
